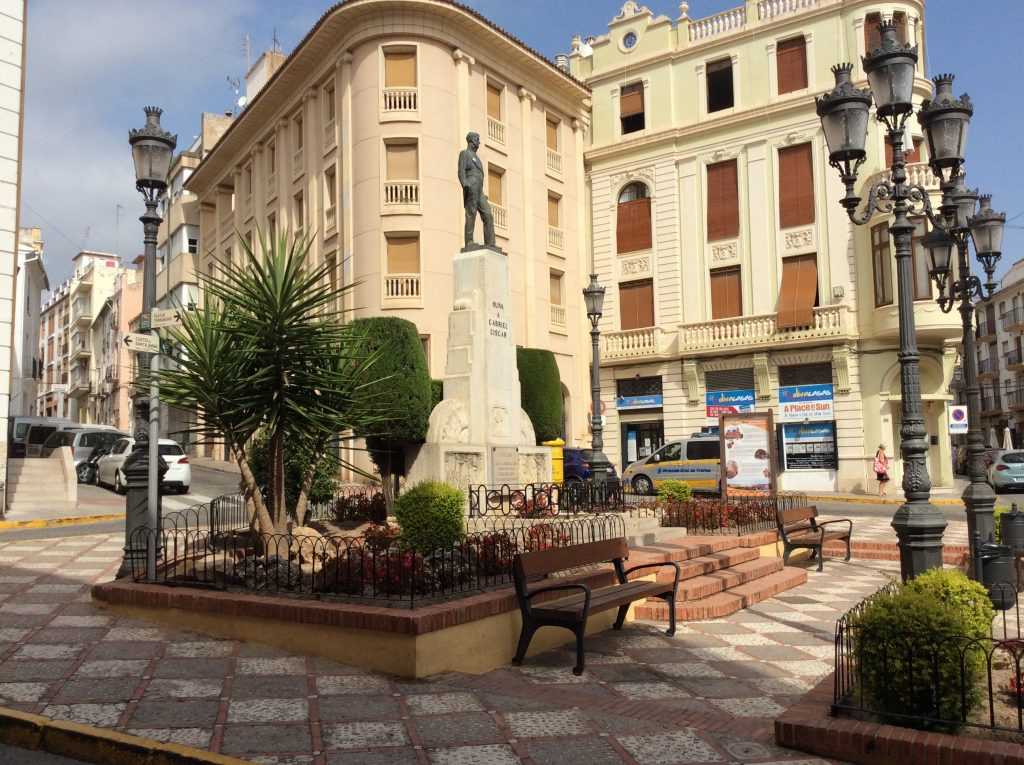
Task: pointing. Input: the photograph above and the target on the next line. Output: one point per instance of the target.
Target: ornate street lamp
(844, 117)
(152, 149)
(593, 297)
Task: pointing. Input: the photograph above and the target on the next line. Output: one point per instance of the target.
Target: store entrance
(641, 440)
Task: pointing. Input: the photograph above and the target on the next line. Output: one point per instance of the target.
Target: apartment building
(94, 282)
(353, 139)
(30, 281)
(999, 323)
(110, 368)
(734, 277)
(54, 325)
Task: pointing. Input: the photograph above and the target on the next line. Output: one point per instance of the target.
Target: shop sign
(652, 401)
(796, 434)
(719, 402)
(805, 403)
(957, 419)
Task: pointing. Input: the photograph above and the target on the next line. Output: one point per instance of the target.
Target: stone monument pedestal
(479, 433)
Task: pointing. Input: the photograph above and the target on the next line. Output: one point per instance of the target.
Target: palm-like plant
(267, 351)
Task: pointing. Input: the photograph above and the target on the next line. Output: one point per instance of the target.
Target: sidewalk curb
(866, 500)
(74, 520)
(99, 745)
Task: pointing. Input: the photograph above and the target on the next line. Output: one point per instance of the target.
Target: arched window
(633, 230)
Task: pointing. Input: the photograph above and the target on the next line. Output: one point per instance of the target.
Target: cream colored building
(353, 139)
(730, 265)
(54, 326)
(30, 281)
(110, 372)
(999, 325)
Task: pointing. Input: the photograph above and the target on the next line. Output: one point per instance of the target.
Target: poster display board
(748, 453)
(806, 403)
(810, 446)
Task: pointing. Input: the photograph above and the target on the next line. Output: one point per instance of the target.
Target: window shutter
(796, 186)
(403, 255)
(553, 211)
(631, 100)
(552, 135)
(400, 69)
(637, 304)
(798, 292)
(493, 102)
(403, 161)
(494, 187)
(791, 64)
(723, 201)
(633, 229)
(556, 289)
(872, 32)
(726, 300)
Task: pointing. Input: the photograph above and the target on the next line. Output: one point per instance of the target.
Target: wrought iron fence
(929, 680)
(546, 500)
(374, 568)
(732, 515)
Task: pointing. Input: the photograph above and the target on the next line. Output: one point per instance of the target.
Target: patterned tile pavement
(708, 695)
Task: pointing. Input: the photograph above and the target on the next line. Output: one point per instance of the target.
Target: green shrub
(431, 516)
(541, 391)
(436, 393)
(914, 648)
(673, 492)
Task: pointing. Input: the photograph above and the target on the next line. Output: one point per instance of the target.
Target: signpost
(138, 343)
(164, 317)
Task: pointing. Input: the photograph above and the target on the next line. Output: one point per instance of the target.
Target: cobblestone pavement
(879, 528)
(707, 695)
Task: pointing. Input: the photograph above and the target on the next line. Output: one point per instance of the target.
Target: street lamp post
(593, 296)
(844, 117)
(152, 148)
(958, 225)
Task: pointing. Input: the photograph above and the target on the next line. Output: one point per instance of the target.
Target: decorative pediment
(630, 9)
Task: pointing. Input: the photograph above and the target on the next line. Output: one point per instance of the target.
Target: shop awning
(798, 293)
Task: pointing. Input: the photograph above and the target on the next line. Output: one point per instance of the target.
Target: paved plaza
(707, 695)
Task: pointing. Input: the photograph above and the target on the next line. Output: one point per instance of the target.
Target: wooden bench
(532, 578)
(799, 528)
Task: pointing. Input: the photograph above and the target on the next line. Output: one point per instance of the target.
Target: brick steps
(951, 554)
(743, 573)
(681, 549)
(708, 564)
(728, 602)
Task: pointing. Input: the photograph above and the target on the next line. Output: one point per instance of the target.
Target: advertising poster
(805, 403)
(748, 453)
(719, 402)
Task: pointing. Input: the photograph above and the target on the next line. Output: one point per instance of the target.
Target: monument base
(465, 465)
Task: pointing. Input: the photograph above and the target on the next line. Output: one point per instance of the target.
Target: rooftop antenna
(85, 237)
(236, 86)
(276, 46)
(247, 50)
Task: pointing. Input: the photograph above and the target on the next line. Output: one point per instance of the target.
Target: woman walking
(882, 469)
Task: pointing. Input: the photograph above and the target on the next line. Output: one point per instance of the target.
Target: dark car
(576, 465)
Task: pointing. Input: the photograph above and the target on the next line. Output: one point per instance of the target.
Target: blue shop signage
(728, 402)
(650, 401)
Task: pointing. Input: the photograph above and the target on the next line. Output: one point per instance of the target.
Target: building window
(554, 203)
(330, 197)
(297, 136)
(329, 104)
(872, 32)
(400, 68)
(798, 293)
(403, 162)
(193, 246)
(796, 186)
(403, 253)
(271, 158)
(922, 279)
(633, 219)
(247, 181)
(911, 153)
(899, 18)
(791, 64)
(723, 201)
(552, 134)
(425, 342)
(298, 212)
(494, 110)
(331, 266)
(631, 108)
(555, 290)
(272, 229)
(495, 185)
(636, 304)
(882, 264)
(720, 91)
(726, 299)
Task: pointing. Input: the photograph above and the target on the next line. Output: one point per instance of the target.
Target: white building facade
(30, 282)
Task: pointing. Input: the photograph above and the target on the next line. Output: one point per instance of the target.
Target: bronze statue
(471, 176)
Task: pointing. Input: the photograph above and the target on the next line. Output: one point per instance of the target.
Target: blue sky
(92, 67)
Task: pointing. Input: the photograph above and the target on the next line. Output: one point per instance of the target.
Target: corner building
(354, 139)
(733, 275)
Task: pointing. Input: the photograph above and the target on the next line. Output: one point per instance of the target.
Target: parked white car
(110, 467)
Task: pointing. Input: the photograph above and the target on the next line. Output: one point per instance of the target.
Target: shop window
(633, 219)
(805, 374)
(631, 108)
(638, 386)
(791, 64)
(726, 300)
(798, 294)
(881, 264)
(723, 201)
(720, 90)
(922, 279)
(636, 304)
(796, 186)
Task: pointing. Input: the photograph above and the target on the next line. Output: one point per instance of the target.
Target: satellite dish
(242, 101)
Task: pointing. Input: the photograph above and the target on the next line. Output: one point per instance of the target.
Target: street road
(9, 755)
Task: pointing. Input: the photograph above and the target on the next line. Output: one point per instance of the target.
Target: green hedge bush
(431, 516)
(436, 393)
(912, 646)
(674, 492)
(541, 391)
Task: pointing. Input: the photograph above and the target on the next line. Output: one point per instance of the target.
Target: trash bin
(1011, 529)
(997, 575)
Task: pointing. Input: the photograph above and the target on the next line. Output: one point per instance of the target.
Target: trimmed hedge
(430, 515)
(541, 391)
(436, 393)
(674, 492)
(915, 651)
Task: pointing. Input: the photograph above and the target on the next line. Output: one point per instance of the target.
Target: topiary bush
(915, 652)
(541, 391)
(674, 492)
(431, 516)
(436, 393)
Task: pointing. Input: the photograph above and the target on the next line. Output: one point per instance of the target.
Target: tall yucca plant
(267, 351)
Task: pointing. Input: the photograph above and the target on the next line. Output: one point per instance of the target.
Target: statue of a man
(471, 176)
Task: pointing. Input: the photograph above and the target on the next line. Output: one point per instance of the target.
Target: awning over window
(798, 293)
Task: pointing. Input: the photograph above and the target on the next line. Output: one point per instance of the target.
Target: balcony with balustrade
(330, 219)
(500, 214)
(402, 291)
(553, 162)
(556, 239)
(988, 369)
(986, 329)
(1013, 320)
(558, 323)
(78, 384)
(81, 312)
(80, 346)
(1014, 399)
(495, 131)
(400, 197)
(330, 135)
(1014, 360)
(399, 102)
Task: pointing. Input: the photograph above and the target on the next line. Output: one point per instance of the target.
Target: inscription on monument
(504, 465)
(497, 324)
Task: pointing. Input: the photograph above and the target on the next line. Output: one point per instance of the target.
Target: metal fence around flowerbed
(732, 515)
(933, 681)
(373, 568)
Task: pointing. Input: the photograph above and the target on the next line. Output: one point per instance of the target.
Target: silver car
(1007, 471)
(82, 442)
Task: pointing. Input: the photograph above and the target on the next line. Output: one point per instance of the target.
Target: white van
(18, 436)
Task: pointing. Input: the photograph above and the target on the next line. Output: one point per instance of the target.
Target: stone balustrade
(500, 216)
(558, 316)
(633, 344)
(556, 238)
(722, 23)
(330, 218)
(298, 166)
(496, 130)
(554, 161)
(772, 9)
(401, 286)
(401, 193)
(743, 332)
(330, 134)
(400, 99)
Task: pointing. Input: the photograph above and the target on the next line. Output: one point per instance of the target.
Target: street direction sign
(142, 343)
(164, 317)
